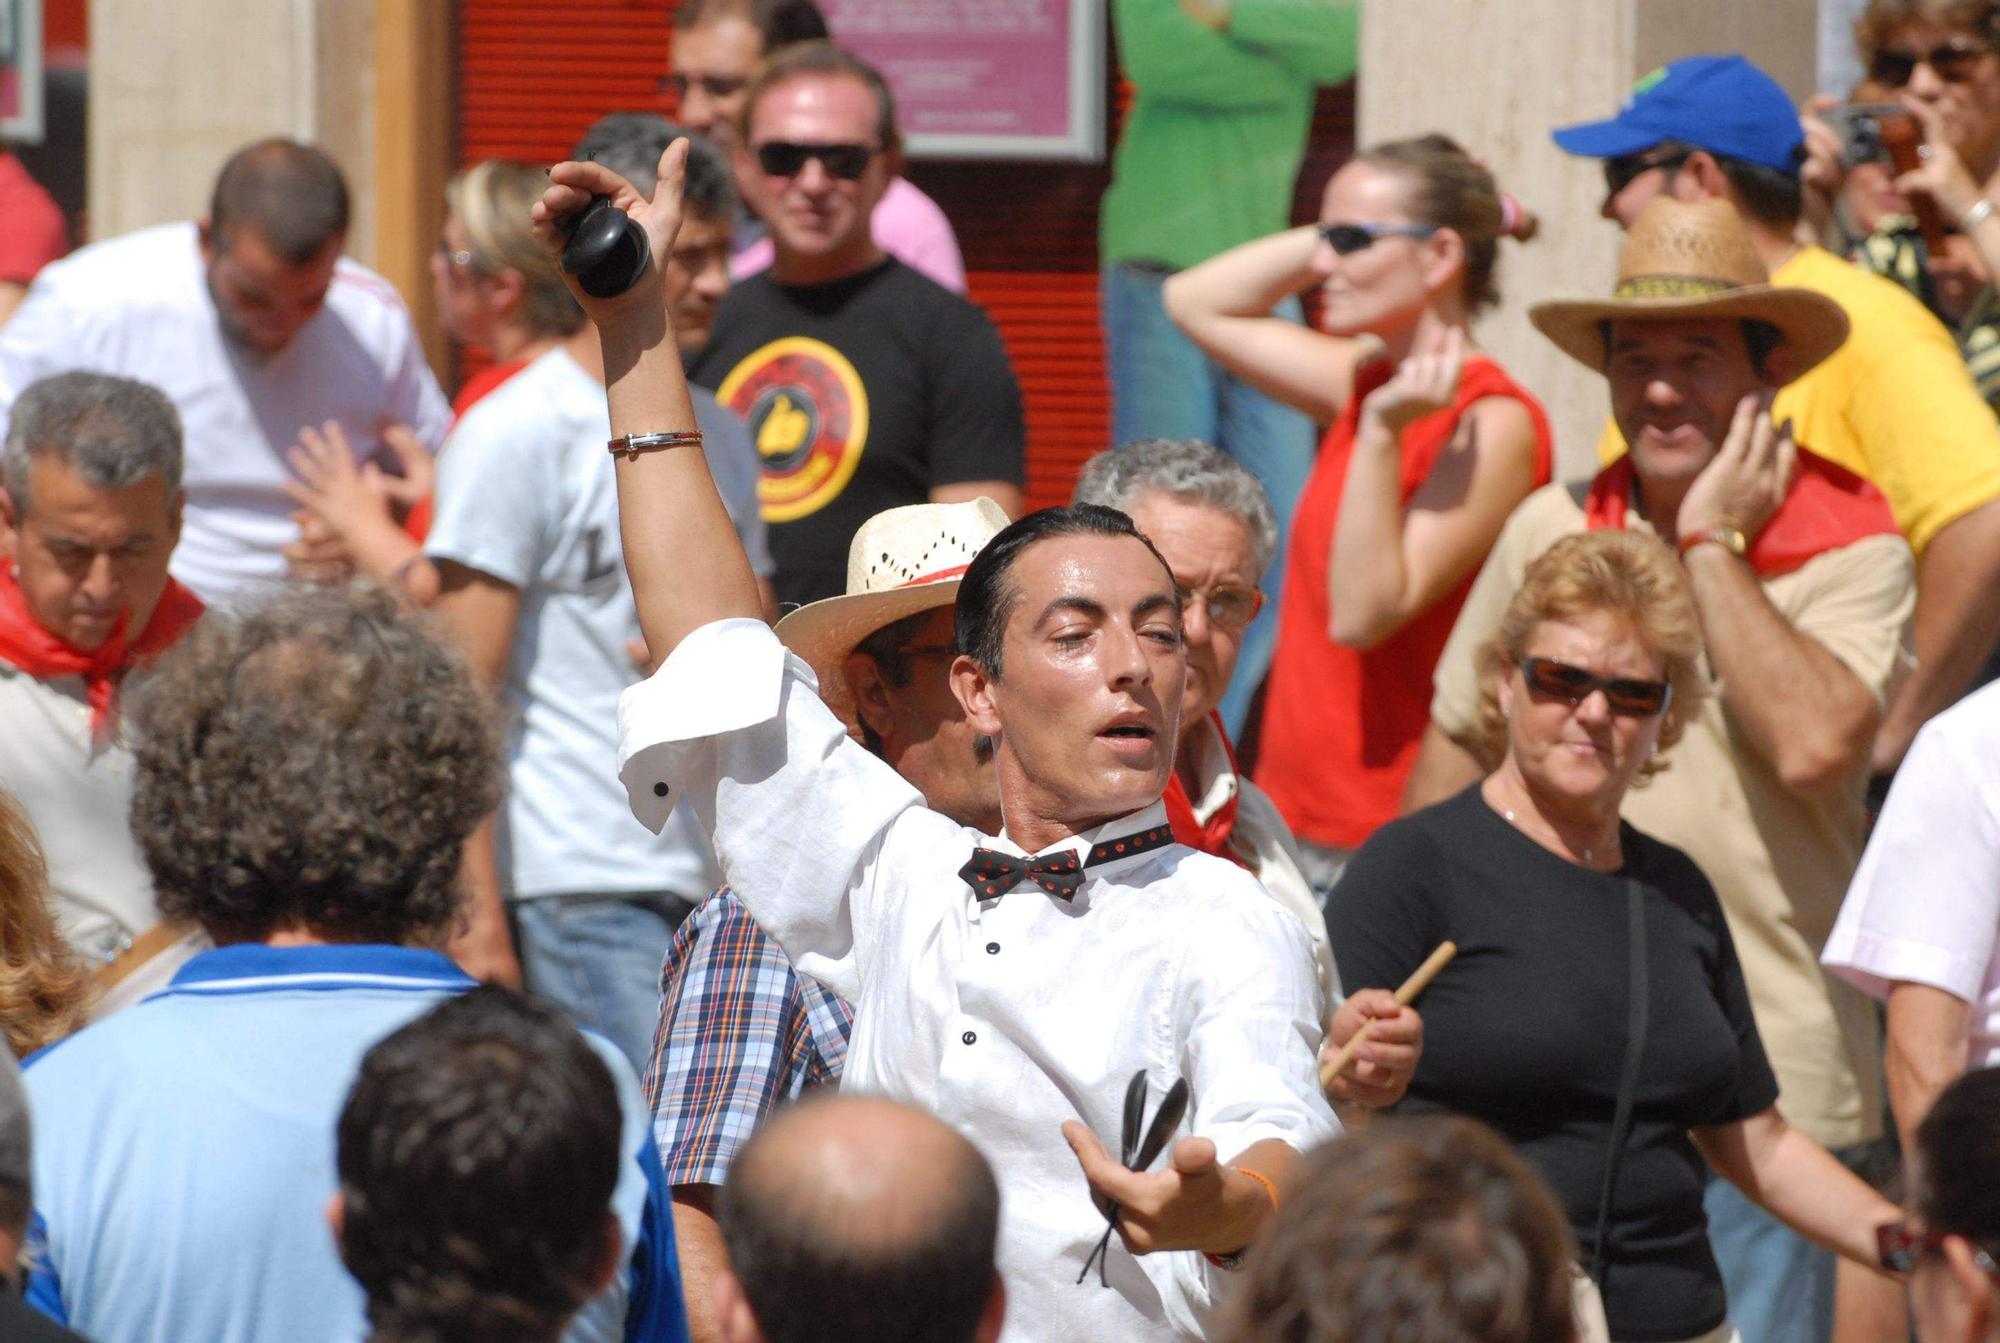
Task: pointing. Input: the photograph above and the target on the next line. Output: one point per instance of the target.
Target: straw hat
(901, 561)
(1685, 260)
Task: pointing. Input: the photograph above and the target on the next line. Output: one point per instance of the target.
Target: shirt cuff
(724, 677)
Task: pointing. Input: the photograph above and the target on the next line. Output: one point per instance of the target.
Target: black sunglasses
(1136, 1155)
(1347, 239)
(783, 158)
(715, 86)
(1620, 172)
(1953, 62)
(1573, 685)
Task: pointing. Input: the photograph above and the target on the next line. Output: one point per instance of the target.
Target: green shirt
(1218, 122)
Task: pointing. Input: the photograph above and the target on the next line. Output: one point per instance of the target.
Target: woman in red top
(1432, 446)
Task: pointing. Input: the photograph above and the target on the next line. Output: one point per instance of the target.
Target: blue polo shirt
(184, 1155)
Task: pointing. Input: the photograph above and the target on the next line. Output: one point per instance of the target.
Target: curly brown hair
(314, 760)
(1980, 19)
(1629, 574)
(43, 988)
(1423, 1230)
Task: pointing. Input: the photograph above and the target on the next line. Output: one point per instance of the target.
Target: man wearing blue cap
(1894, 404)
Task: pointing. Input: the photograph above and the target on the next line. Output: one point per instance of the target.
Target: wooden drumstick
(1412, 986)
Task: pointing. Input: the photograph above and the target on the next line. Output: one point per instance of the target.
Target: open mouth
(1130, 732)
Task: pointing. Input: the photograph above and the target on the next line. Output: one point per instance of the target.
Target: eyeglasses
(1230, 605)
(783, 158)
(1899, 1246)
(1953, 61)
(1573, 685)
(1347, 239)
(459, 259)
(715, 86)
(1620, 172)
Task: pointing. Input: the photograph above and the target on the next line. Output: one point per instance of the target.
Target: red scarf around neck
(1827, 507)
(27, 644)
(1212, 837)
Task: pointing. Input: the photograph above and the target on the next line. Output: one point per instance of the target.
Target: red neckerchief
(1213, 837)
(27, 645)
(1827, 507)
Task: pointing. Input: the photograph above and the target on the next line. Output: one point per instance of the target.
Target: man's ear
(10, 522)
(892, 159)
(510, 283)
(995, 1313)
(336, 1221)
(871, 693)
(1700, 178)
(1780, 365)
(610, 1255)
(732, 1311)
(974, 689)
(204, 232)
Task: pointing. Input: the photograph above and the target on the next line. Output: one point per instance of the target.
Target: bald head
(859, 1218)
(292, 195)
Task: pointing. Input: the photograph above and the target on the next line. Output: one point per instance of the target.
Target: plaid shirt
(740, 1031)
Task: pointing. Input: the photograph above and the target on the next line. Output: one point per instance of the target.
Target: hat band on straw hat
(1672, 286)
(938, 576)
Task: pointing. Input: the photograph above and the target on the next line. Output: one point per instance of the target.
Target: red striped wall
(532, 74)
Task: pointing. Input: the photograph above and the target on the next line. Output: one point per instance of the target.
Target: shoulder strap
(1628, 1082)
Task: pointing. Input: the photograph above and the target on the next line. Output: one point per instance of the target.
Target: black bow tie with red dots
(991, 873)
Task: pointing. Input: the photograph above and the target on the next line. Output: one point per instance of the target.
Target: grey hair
(114, 432)
(1185, 468)
(630, 144)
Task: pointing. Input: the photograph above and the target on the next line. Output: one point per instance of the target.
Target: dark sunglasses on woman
(1348, 239)
(1953, 61)
(784, 158)
(1573, 685)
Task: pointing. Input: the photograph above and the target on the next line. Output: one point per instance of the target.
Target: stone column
(1498, 75)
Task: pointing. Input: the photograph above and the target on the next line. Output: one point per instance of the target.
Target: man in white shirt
(90, 511)
(532, 582)
(1011, 985)
(255, 326)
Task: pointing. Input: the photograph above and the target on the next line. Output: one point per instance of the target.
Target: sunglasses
(715, 86)
(1620, 172)
(1347, 239)
(1135, 1153)
(1231, 606)
(1573, 685)
(783, 158)
(1899, 1247)
(1953, 61)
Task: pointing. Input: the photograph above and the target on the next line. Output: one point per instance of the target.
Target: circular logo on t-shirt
(808, 416)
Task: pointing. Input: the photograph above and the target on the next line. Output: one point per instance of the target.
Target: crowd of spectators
(1597, 938)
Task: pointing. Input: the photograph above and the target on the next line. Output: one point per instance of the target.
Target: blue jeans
(1163, 387)
(1780, 1286)
(599, 956)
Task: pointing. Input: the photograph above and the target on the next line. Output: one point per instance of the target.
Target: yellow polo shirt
(1895, 403)
(1780, 859)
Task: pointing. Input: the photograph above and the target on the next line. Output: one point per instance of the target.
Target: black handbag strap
(1628, 1082)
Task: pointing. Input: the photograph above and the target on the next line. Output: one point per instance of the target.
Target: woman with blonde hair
(1596, 1014)
(43, 988)
(1432, 445)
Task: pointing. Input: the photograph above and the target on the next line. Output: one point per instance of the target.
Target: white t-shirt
(138, 306)
(78, 795)
(526, 495)
(1925, 904)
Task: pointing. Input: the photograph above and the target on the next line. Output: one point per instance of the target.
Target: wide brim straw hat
(1691, 260)
(902, 561)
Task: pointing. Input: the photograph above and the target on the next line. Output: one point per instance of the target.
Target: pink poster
(986, 78)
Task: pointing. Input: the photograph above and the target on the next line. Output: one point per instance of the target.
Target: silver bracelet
(631, 445)
(1976, 216)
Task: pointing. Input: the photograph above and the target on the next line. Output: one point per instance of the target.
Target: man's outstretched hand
(571, 186)
(1194, 1203)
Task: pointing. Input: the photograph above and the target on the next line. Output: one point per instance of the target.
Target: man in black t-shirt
(865, 385)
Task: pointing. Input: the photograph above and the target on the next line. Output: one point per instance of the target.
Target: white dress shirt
(1003, 1016)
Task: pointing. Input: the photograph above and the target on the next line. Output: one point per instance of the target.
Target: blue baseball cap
(1722, 104)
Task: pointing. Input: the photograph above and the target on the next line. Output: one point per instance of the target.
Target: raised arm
(1224, 305)
(687, 566)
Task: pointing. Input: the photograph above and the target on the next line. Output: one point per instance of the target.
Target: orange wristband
(1234, 1261)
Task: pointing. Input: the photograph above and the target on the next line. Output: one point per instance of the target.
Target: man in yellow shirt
(1894, 404)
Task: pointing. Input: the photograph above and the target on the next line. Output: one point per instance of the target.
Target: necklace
(1589, 855)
